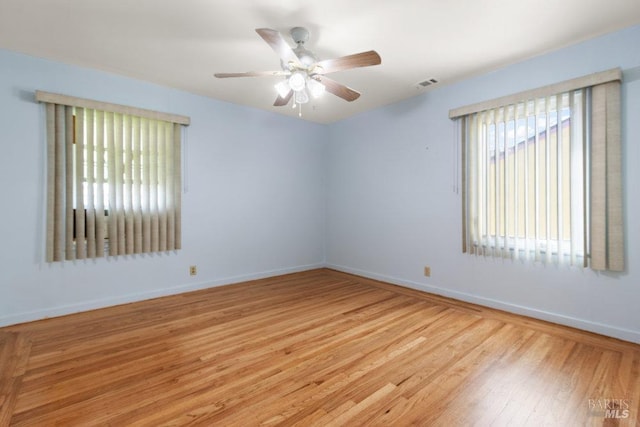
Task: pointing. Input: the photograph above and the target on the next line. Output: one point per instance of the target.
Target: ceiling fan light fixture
(297, 81)
(304, 74)
(282, 88)
(301, 97)
(315, 88)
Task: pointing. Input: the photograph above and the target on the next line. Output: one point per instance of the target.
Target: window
(113, 174)
(541, 174)
(526, 166)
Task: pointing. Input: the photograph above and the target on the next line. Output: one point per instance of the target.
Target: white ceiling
(181, 43)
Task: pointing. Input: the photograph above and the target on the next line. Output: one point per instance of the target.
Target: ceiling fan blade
(338, 89)
(280, 101)
(252, 74)
(278, 44)
(362, 59)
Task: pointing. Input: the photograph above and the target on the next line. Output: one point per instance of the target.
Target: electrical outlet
(427, 271)
(193, 270)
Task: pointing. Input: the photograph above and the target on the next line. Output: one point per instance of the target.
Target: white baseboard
(62, 310)
(599, 328)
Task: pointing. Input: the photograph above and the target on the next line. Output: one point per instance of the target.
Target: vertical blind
(112, 177)
(525, 163)
(542, 174)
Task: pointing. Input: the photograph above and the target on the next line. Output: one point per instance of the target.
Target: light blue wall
(254, 206)
(373, 194)
(392, 209)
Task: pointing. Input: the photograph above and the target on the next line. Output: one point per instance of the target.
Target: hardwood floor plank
(355, 411)
(14, 356)
(311, 348)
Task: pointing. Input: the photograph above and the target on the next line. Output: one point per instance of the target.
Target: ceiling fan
(304, 74)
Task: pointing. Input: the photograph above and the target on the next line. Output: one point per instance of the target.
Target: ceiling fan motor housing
(300, 35)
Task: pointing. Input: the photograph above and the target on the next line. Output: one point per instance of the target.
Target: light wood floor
(313, 348)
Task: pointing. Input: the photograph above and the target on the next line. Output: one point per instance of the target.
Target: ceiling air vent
(428, 82)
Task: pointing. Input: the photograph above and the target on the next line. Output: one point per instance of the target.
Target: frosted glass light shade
(297, 81)
(301, 97)
(283, 88)
(315, 88)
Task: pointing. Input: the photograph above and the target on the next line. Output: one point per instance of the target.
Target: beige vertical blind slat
(480, 219)
(51, 182)
(78, 184)
(112, 231)
(598, 182)
(577, 205)
(505, 185)
(177, 189)
(463, 161)
(536, 179)
(582, 127)
(545, 186)
(516, 185)
(70, 253)
(498, 189)
(99, 180)
(128, 184)
(473, 221)
(480, 151)
(607, 242)
(59, 182)
(475, 155)
(572, 183)
(485, 186)
(153, 196)
(136, 184)
(162, 200)
(145, 201)
(615, 226)
(527, 216)
(111, 177)
(119, 184)
(90, 224)
(559, 181)
(169, 189)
